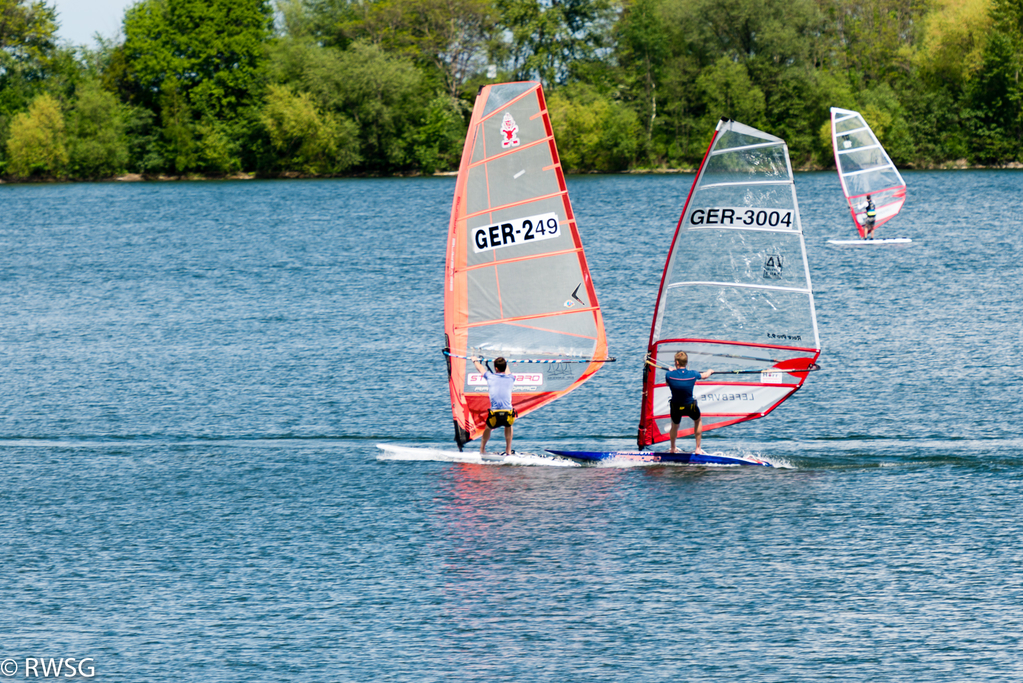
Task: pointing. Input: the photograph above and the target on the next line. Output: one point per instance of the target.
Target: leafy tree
(643, 49)
(306, 139)
(29, 55)
(875, 37)
(178, 142)
(96, 134)
(37, 145)
(437, 142)
(951, 50)
(27, 40)
(997, 91)
(383, 95)
(594, 133)
(212, 51)
(449, 37)
(728, 91)
(547, 38)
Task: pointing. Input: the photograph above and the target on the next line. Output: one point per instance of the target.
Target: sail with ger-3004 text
(516, 283)
(735, 294)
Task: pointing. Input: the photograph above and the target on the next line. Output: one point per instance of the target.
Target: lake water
(196, 377)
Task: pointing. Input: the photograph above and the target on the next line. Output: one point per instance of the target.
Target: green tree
(97, 147)
(27, 40)
(594, 133)
(997, 90)
(728, 91)
(546, 39)
(451, 38)
(212, 51)
(37, 145)
(383, 95)
(29, 58)
(306, 139)
(437, 141)
(643, 49)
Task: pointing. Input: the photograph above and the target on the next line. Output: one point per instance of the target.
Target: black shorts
(691, 411)
(501, 418)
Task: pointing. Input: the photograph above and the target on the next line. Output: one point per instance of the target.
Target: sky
(80, 20)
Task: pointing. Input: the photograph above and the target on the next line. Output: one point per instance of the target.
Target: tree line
(382, 87)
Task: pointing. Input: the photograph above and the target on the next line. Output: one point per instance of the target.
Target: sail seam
(747, 182)
(852, 130)
(857, 149)
(868, 170)
(673, 285)
(536, 316)
(739, 149)
(500, 155)
(491, 264)
(502, 207)
(736, 227)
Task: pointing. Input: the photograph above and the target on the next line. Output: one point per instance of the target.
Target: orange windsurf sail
(516, 283)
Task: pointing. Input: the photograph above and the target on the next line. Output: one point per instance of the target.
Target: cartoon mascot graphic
(510, 132)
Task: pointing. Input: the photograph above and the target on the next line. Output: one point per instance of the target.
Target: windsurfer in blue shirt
(501, 414)
(681, 382)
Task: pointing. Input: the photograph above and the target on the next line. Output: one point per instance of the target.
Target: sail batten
(735, 288)
(518, 282)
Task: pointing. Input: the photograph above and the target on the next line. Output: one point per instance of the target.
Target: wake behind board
(425, 453)
(878, 242)
(655, 457)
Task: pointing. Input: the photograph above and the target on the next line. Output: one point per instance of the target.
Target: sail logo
(516, 231)
(509, 131)
(522, 379)
(569, 303)
(725, 398)
(773, 267)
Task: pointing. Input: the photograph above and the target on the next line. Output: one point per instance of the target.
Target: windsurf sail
(516, 284)
(735, 294)
(865, 169)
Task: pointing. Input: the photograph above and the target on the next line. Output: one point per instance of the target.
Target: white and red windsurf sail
(735, 294)
(865, 169)
(516, 283)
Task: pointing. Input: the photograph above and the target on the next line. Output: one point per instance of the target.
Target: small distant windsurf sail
(516, 284)
(735, 294)
(865, 169)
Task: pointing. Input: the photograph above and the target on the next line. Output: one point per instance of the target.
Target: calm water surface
(196, 375)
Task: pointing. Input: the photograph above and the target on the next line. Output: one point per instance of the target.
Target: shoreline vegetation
(240, 89)
(960, 165)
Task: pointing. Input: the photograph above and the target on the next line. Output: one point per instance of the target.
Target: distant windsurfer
(501, 413)
(683, 404)
(868, 226)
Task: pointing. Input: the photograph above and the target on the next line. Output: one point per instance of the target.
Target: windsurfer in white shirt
(501, 414)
